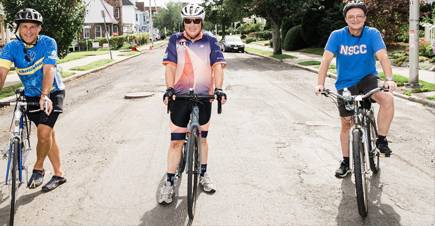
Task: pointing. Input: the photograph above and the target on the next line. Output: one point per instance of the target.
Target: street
(273, 154)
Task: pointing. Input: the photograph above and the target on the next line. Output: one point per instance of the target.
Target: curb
(334, 76)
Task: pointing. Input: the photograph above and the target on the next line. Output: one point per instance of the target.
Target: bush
(293, 39)
(263, 35)
(250, 27)
(250, 39)
(425, 49)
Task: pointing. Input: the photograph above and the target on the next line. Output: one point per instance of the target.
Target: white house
(98, 13)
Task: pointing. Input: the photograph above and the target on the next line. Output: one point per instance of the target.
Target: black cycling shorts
(364, 86)
(39, 117)
(181, 109)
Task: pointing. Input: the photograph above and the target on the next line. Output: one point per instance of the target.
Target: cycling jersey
(194, 60)
(29, 64)
(355, 55)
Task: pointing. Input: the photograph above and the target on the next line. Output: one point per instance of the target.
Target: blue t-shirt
(30, 70)
(355, 55)
(194, 60)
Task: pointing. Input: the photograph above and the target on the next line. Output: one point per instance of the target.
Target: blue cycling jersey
(29, 63)
(355, 55)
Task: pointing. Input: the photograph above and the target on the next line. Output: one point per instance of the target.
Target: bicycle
(363, 142)
(191, 153)
(18, 147)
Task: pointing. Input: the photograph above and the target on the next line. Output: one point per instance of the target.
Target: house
(98, 14)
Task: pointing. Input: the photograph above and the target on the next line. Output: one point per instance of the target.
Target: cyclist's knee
(346, 123)
(177, 144)
(44, 133)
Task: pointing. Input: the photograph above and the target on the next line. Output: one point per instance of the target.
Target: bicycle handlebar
(196, 98)
(327, 92)
(13, 103)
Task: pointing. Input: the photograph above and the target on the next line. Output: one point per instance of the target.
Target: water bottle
(347, 99)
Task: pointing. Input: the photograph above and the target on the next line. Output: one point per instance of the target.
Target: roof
(127, 2)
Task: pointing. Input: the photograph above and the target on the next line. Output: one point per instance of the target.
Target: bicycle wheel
(182, 163)
(15, 145)
(192, 172)
(359, 172)
(371, 137)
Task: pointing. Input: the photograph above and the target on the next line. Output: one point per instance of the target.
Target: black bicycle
(191, 153)
(363, 142)
(18, 147)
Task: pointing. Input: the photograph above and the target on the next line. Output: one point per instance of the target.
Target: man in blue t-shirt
(193, 60)
(34, 57)
(356, 48)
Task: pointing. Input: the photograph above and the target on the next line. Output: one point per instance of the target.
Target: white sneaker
(206, 183)
(166, 193)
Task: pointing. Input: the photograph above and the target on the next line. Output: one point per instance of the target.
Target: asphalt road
(273, 153)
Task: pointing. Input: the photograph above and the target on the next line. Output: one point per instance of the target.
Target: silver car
(233, 44)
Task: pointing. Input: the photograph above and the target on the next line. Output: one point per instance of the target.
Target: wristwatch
(388, 78)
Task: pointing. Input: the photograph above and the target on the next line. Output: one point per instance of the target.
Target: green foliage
(309, 62)
(250, 39)
(170, 18)
(78, 55)
(247, 28)
(263, 35)
(293, 39)
(222, 13)
(117, 42)
(93, 65)
(63, 19)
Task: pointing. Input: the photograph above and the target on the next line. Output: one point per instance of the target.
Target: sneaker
(166, 194)
(55, 182)
(383, 148)
(207, 184)
(36, 179)
(342, 171)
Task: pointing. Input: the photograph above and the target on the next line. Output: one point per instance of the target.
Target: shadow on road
(22, 200)
(378, 213)
(172, 214)
(260, 64)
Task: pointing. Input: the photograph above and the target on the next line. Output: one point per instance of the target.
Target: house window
(98, 31)
(86, 32)
(116, 13)
(137, 18)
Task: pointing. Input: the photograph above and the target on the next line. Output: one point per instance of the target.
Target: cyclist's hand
(319, 89)
(220, 95)
(390, 85)
(45, 104)
(170, 93)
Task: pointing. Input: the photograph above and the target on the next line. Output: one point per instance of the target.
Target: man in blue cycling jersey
(193, 60)
(34, 57)
(356, 48)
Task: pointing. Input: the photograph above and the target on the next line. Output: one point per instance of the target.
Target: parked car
(232, 43)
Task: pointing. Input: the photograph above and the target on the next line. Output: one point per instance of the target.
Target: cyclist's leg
(204, 121)
(54, 156)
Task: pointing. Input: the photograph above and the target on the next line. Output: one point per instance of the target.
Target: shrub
(263, 35)
(250, 39)
(293, 39)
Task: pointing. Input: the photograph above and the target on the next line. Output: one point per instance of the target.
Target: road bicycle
(191, 154)
(364, 155)
(18, 147)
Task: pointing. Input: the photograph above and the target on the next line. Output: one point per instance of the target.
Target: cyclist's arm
(324, 66)
(170, 75)
(218, 72)
(382, 56)
(3, 73)
(47, 82)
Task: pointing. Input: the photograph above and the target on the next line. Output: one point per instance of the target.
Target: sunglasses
(195, 21)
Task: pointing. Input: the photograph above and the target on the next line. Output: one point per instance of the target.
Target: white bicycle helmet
(193, 10)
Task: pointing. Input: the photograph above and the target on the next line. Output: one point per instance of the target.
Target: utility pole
(414, 11)
(151, 26)
(106, 33)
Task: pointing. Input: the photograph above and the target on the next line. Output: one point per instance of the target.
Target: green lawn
(431, 97)
(402, 80)
(309, 62)
(9, 90)
(66, 74)
(317, 51)
(269, 53)
(79, 55)
(93, 65)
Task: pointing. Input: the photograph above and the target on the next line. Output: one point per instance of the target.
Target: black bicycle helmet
(354, 4)
(28, 15)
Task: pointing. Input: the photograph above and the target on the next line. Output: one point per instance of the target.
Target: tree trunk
(276, 37)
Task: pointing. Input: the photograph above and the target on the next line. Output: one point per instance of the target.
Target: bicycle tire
(359, 168)
(15, 146)
(192, 172)
(182, 164)
(371, 137)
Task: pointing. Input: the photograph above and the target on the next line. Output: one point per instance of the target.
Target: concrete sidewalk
(117, 56)
(424, 75)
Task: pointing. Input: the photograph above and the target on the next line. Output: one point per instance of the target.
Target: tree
(169, 18)
(223, 13)
(274, 11)
(63, 19)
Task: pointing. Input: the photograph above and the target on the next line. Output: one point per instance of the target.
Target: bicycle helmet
(193, 10)
(28, 15)
(355, 4)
